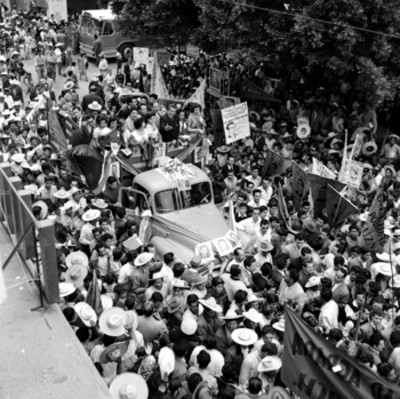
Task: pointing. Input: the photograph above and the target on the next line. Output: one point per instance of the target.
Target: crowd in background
(204, 330)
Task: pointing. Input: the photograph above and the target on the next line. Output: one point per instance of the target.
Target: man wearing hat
(191, 274)
(208, 321)
(391, 150)
(149, 326)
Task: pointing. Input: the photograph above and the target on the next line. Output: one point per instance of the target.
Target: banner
(351, 172)
(197, 96)
(282, 206)
(319, 189)
(157, 81)
(161, 57)
(58, 8)
(275, 164)
(226, 101)
(251, 91)
(219, 82)
(374, 227)
(57, 139)
(314, 369)
(141, 56)
(236, 122)
(338, 207)
(357, 146)
(318, 168)
(300, 185)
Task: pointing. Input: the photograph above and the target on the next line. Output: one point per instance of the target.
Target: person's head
(340, 275)
(148, 309)
(250, 263)
(377, 342)
(292, 277)
(255, 386)
(326, 294)
(169, 258)
(171, 110)
(203, 359)
(377, 317)
(238, 254)
(178, 269)
(193, 303)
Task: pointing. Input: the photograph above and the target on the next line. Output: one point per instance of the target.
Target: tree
(170, 22)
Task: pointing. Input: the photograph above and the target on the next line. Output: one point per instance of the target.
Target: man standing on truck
(169, 125)
(97, 48)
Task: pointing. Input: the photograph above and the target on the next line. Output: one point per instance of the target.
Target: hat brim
(131, 379)
(123, 346)
(112, 332)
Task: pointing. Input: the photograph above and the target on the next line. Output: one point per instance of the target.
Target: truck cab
(182, 206)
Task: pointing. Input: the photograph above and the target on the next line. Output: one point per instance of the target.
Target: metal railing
(33, 240)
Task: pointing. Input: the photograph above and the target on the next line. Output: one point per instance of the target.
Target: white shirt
(328, 317)
(125, 273)
(216, 364)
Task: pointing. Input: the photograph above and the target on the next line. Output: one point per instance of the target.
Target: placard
(236, 122)
(141, 56)
(58, 8)
(223, 246)
(205, 251)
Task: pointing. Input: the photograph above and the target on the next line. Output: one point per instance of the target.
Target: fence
(34, 240)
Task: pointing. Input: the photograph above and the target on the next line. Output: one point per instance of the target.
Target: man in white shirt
(266, 189)
(328, 317)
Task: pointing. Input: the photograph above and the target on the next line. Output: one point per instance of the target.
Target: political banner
(58, 8)
(313, 368)
(338, 207)
(275, 164)
(141, 55)
(205, 251)
(300, 185)
(57, 139)
(373, 230)
(236, 122)
(198, 95)
(219, 82)
(282, 206)
(158, 85)
(251, 91)
(227, 101)
(318, 168)
(319, 188)
(351, 172)
(357, 146)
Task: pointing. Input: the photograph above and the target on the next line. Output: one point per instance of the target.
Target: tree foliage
(319, 37)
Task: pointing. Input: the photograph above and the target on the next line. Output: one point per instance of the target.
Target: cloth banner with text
(373, 230)
(314, 369)
(318, 168)
(236, 122)
(338, 207)
(319, 189)
(300, 185)
(275, 164)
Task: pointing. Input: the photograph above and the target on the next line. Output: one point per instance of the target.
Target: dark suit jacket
(89, 98)
(170, 134)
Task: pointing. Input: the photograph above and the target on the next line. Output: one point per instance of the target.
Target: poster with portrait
(227, 101)
(141, 55)
(205, 251)
(233, 238)
(115, 170)
(223, 246)
(236, 122)
(351, 173)
(160, 150)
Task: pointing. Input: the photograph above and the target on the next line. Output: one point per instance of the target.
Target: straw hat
(129, 386)
(201, 280)
(77, 258)
(223, 149)
(384, 257)
(244, 336)
(313, 281)
(189, 326)
(132, 320)
(100, 203)
(179, 283)
(253, 316)
(122, 347)
(269, 363)
(61, 194)
(18, 158)
(265, 246)
(44, 209)
(280, 325)
(112, 322)
(232, 315)
(383, 268)
(211, 303)
(76, 274)
(90, 215)
(95, 106)
(166, 362)
(86, 313)
(66, 289)
(69, 85)
(143, 258)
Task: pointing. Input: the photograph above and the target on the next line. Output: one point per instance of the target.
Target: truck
(182, 207)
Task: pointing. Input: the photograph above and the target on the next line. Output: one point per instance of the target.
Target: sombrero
(303, 131)
(90, 215)
(77, 258)
(76, 274)
(244, 336)
(44, 209)
(122, 347)
(86, 313)
(369, 148)
(112, 322)
(129, 386)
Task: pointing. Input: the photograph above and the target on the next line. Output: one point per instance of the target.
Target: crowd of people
(153, 326)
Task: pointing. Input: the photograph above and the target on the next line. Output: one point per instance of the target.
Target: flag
(318, 168)
(105, 172)
(313, 368)
(275, 164)
(72, 130)
(300, 185)
(282, 206)
(319, 188)
(251, 91)
(338, 207)
(57, 139)
(157, 81)
(358, 143)
(373, 230)
(93, 297)
(198, 96)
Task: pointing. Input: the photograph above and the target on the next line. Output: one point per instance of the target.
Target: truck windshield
(172, 200)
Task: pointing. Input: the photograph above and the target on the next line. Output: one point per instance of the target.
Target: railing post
(13, 222)
(28, 245)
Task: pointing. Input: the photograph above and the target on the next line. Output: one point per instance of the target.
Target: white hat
(394, 282)
(112, 322)
(396, 246)
(313, 281)
(77, 258)
(76, 274)
(61, 194)
(86, 313)
(32, 188)
(388, 225)
(396, 232)
(66, 289)
(143, 258)
(14, 82)
(232, 315)
(384, 257)
(253, 315)
(383, 268)
(95, 106)
(100, 203)
(129, 386)
(363, 217)
(73, 190)
(18, 158)
(189, 326)
(44, 209)
(269, 363)
(179, 283)
(132, 320)
(280, 325)
(157, 276)
(244, 336)
(211, 303)
(90, 215)
(166, 362)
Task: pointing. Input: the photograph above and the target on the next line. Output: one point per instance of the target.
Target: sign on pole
(141, 55)
(58, 8)
(236, 122)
